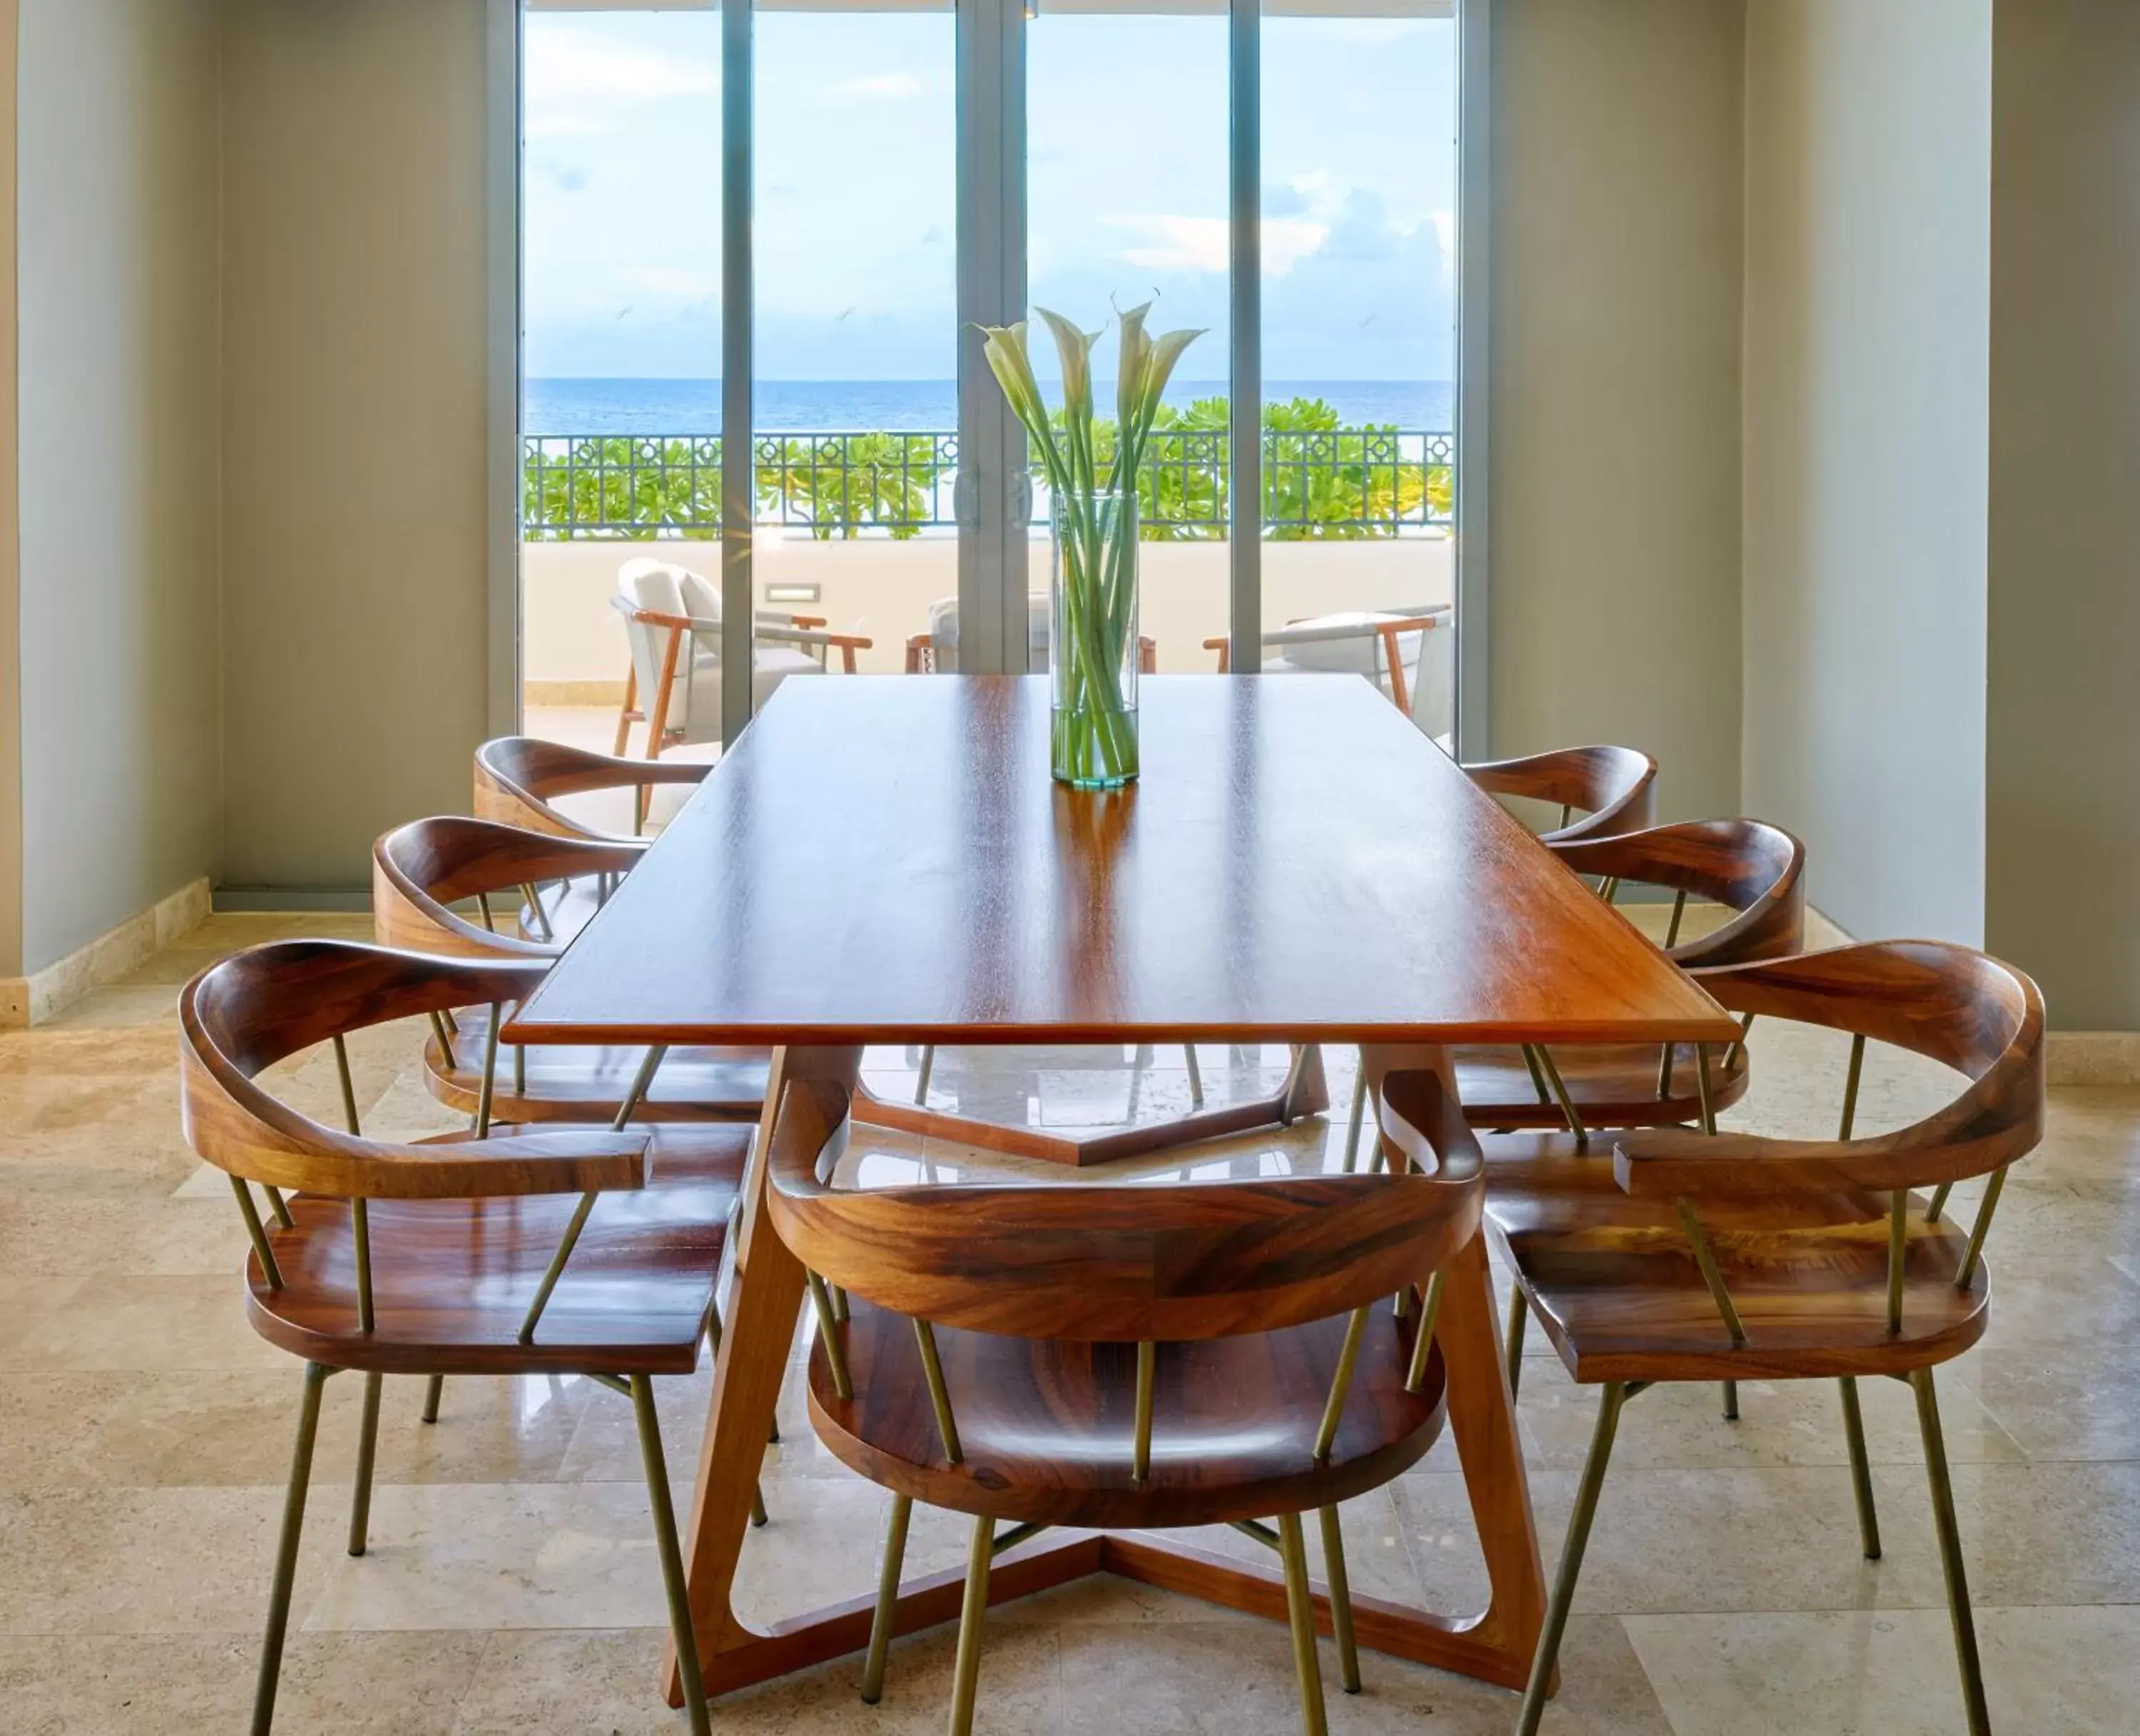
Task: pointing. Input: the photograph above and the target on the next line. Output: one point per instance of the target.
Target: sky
(855, 222)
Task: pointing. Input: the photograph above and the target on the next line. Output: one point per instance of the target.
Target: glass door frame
(993, 491)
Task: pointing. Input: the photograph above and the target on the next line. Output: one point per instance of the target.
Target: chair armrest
(813, 636)
(1951, 1145)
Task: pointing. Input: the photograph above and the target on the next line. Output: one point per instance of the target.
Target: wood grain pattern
(1801, 1229)
(250, 1010)
(887, 861)
(1142, 1261)
(1755, 871)
(1953, 1005)
(452, 1279)
(517, 779)
(420, 870)
(1046, 1427)
(1612, 790)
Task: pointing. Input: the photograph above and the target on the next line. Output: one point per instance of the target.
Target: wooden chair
(519, 779)
(420, 871)
(579, 1252)
(1143, 1357)
(1701, 1257)
(1612, 788)
(1754, 870)
(1409, 653)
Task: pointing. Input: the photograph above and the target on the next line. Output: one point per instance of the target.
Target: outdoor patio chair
(1410, 654)
(663, 604)
(937, 651)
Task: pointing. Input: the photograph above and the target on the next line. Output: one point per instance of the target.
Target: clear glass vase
(1092, 641)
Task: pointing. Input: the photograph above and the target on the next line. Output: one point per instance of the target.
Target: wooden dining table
(888, 861)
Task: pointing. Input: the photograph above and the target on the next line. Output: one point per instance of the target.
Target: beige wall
(116, 209)
(353, 426)
(1615, 534)
(11, 661)
(2062, 801)
(1868, 220)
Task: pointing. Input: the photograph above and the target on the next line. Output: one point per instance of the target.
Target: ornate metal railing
(1341, 482)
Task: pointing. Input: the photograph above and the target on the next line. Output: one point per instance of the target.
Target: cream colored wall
(121, 786)
(11, 660)
(1869, 213)
(1615, 526)
(353, 426)
(883, 591)
(2062, 801)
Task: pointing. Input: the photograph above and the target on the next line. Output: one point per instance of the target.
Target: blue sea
(693, 406)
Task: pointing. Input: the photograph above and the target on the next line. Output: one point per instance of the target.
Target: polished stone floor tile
(333, 1684)
(2071, 1671)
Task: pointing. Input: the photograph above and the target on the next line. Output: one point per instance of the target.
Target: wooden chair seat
(1613, 1278)
(452, 1279)
(1612, 1086)
(1046, 1426)
(575, 1084)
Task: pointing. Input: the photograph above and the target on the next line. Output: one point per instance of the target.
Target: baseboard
(294, 900)
(43, 995)
(573, 693)
(2093, 1058)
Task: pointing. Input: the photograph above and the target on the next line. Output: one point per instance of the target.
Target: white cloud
(887, 86)
(1178, 243)
(578, 81)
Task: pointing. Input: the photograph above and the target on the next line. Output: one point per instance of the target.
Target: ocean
(693, 406)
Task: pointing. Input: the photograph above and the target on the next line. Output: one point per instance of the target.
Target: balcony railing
(1343, 483)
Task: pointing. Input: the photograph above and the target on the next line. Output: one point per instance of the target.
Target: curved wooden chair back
(1139, 1262)
(1754, 869)
(518, 777)
(1952, 1004)
(247, 1012)
(1611, 789)
(420, 870)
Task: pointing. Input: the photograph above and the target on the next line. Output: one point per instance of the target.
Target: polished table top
(887, 860)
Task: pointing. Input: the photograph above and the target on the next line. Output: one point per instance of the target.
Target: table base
(1306, 1092)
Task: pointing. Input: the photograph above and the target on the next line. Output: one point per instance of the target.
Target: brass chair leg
(1949, 1542)
(1300, 1612)
(973, 1619)
(1730, 1401)
(1359, 1116)
(928, 1066)
(1611, 1398)
(887, 1600)
(367, 1449)
(1341, 1599)
(434, 1388)
(1518, 1310)
(672, 1557)
(1195, 1075)
(1861, 1468)
(286, 1552)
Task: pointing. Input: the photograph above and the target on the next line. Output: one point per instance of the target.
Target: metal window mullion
(737, 468)
(992, 523)
(1245, 395)
(1474, 280)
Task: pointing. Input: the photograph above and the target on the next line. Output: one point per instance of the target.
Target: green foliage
(847, 483)
(1322, 480)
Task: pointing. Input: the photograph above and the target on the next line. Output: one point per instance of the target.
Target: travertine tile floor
(511, 1584)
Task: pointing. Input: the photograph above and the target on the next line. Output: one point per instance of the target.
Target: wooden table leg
(757, 1330)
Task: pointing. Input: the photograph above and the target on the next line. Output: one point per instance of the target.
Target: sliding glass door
(757, 246)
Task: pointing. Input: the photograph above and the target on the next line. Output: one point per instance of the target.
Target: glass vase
(1092, 641)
